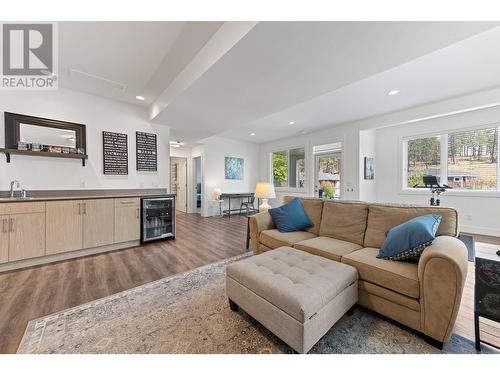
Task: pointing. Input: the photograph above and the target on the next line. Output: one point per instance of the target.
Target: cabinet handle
(138, 212)
(127, 202)
(85, 208)
(79, 208)
(4, 225)
(11, 225)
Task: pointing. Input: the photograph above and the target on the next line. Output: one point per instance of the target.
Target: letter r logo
(27, 49)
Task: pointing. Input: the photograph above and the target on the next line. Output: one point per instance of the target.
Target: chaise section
(327, 247)
(401, 277)
(273, 238)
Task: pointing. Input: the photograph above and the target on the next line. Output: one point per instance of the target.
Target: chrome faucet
(12, 183)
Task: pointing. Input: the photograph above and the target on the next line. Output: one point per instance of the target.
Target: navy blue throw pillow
(290, 217)
(409, 240)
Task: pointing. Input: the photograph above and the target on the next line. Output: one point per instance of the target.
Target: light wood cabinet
(27, 236)
(4, 238)
(98, 222)
(64, 226)
(127, 223)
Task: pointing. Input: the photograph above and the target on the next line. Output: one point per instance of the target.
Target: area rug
(189, 313)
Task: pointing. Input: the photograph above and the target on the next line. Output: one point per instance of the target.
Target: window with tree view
(424, 156)
(288, 168)
(471, 159)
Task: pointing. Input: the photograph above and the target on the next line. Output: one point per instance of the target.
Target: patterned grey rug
(189, 313)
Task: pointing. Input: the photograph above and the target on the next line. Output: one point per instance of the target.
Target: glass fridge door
(158, 218)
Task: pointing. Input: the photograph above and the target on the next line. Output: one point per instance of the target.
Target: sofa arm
(258, 223)
(442, 271)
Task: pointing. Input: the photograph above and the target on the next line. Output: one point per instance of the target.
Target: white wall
(97, 114)
(379, 136)
(367, 145)
(214, 151)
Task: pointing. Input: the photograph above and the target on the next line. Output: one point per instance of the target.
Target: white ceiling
(142, 56)
(317, 74)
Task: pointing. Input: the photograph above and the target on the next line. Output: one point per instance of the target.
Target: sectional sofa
(423, 295)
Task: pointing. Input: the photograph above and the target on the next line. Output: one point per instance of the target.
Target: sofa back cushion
(344, 221)
(382, 217)
(313, 208)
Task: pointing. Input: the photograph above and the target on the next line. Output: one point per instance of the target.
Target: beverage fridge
(157, 218)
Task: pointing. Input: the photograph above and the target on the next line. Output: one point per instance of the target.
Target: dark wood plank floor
(34, 292)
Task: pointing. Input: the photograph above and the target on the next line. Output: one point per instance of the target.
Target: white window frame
(404, 189)
(288, 188)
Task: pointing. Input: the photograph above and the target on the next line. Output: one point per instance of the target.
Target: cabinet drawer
(127, 202)
(21, 208)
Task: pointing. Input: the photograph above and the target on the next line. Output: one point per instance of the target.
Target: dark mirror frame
(13, 120)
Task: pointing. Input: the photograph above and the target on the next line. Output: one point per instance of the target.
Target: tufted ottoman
(296, 295)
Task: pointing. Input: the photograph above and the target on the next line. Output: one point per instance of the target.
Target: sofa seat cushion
(294, 281)
(401, 277)
(327, 247)
(273, 238)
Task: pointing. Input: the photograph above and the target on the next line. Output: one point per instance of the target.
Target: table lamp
(264, 191)
(217, 193)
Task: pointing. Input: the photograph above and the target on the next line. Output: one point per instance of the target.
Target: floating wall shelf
(9, 151)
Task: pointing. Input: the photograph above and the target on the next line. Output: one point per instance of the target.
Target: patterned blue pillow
(408, 240)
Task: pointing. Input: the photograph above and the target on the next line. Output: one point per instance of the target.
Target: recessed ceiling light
(139, 97)
(252, 133)
(393, 92)
(175, 145)
(291, 123)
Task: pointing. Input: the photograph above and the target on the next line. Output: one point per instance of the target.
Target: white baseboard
(486, 231)
(65, 256)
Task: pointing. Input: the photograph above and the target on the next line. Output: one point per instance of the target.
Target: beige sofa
(424, 296)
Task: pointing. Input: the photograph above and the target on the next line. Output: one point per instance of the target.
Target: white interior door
(181, 188)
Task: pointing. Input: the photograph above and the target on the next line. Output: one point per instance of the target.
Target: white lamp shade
(264, 190)
(217, 192)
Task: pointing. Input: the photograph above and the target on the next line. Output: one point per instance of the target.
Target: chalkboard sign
(146, 151)
(115, 153)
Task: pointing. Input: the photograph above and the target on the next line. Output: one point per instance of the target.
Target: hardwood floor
(34, 292)
(31, 293)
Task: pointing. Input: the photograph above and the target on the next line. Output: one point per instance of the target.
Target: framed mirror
(37, 130)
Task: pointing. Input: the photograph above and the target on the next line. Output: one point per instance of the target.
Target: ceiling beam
(229, 34)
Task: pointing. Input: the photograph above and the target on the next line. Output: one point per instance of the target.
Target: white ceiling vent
(89, 76)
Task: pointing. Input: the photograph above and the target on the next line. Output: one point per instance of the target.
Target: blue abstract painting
(233, 168)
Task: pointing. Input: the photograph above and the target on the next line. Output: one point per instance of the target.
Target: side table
(486, 290)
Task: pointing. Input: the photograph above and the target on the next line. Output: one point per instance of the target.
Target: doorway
(178, 182)
(327, 179)
(197, 179)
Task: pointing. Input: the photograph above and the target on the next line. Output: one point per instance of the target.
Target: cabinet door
(127, 224)
(27, 236)
(64, 225)
(4, 238)
(98, 222)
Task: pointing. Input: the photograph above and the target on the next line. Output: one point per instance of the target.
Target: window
(424, 156)
(472, 159)
(464, 160)
(288, 168)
